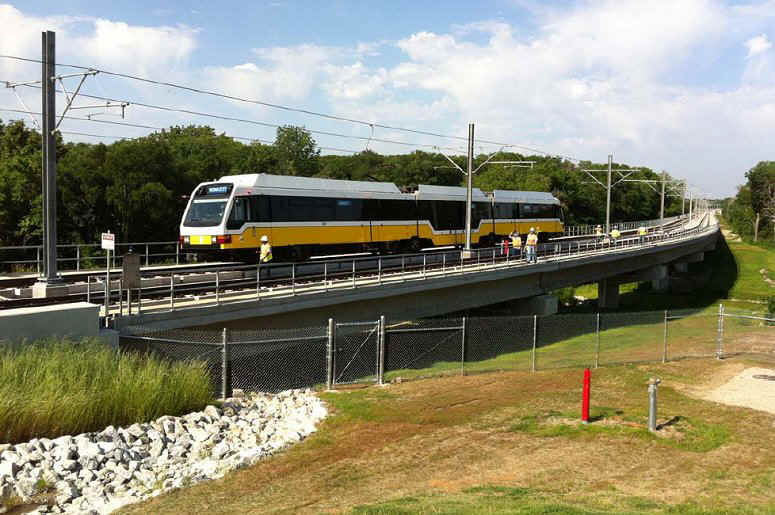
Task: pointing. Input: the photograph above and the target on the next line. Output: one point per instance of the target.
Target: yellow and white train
(305, 216)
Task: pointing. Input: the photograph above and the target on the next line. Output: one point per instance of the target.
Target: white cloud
(757, 45)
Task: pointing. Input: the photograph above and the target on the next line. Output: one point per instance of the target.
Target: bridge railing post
(353, 273)
(172, 291)
(258, 281)
(325, 276)
(78, 258)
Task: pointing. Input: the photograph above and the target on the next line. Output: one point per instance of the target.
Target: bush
(771, 305)
(52, 388)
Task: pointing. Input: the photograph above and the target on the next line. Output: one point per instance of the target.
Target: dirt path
(747, 390)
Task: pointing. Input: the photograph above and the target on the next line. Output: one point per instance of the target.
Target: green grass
(51, 388)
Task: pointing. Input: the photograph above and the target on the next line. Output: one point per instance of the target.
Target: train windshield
(205, 213)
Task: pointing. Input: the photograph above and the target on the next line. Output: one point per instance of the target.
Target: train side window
(349, 210)
(259, 209)
(239, 213)
(279, 208)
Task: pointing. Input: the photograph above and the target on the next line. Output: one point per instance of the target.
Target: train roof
(313, 186)
(431, 192)
(526, 197)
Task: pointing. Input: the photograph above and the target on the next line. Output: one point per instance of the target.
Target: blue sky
(686, 86)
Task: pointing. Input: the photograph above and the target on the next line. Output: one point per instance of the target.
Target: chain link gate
(356, 353)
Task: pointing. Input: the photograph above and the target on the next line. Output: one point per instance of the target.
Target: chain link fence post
(597, 336)
(720, 333)
(330, 354)
(463, 346)
(664, 341)
(226, 391)
(535, 337)
(381, 352)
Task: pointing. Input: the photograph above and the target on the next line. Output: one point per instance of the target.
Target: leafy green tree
(296, 152)
(761, 180)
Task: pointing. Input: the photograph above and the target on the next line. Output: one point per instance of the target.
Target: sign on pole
(108, 241)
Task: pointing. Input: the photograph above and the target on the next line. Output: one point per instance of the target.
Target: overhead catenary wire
(292, 109)
(151, 127)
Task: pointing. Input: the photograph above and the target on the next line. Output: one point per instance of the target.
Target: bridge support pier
(540, 305)
(681, 268)
(608, 294)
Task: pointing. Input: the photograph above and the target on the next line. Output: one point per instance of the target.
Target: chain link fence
(382, 351)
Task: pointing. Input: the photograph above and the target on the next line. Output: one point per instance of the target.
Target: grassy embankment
(735, 280)
(52, 388)
(510, 443)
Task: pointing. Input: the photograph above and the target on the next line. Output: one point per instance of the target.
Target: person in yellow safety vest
(642, 232)
(266, 250)
(531, 246)
(516, 244)
(615, 235)
(599, 233)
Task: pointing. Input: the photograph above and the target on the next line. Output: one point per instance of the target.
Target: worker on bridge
(599, 233)
(516, 244)
(615, 235)
(642, 233)
(532, 246)
(266, 250)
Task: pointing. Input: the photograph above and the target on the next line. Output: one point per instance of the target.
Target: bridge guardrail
(83, 256)
(588, 230)
(169, 290)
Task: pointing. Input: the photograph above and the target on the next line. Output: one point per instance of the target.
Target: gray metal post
(172, 291)
(683, 198)
(381, 352)
(423, 265)
(463, 346)
(217, 287)
(177, 253)
(353, 273)
(664, 341)
(120, 297)
(107, 286)
(535, 338)
(720, 333)
(293, 278)
(653, 383)
(379, 270)
(469, 184)
(147, 256)
(258, 281)
(140, 299)
(226, 391)
(608, 198)
(597, 335)
(330, 382)
(37, 259)
(88, 288)
(49, 159)
(78, 258)
(325, 276)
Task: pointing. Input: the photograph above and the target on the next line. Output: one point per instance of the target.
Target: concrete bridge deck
(433, 290)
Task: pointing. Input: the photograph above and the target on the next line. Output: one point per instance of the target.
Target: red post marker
(585, 402)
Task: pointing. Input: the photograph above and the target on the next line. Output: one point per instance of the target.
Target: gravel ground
(744, 390)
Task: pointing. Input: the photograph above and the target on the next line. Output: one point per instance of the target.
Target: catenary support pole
(608, 197)
(469, 184)
(662, 204)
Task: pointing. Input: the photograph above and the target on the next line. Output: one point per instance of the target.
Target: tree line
(138, 188)
(751, 213)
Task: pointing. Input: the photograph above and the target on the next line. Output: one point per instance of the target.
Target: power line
(289, 108)
(151, 127)
(244, 120)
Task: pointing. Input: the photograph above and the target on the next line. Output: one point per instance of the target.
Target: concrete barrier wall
(76, 320)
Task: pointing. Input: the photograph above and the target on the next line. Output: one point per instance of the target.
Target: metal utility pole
(683, 198)
(49, 166)
(469, 185)
(608, 187)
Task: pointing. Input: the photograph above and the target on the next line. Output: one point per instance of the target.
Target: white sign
(108, 241)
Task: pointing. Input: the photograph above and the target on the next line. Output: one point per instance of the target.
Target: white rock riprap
(100, 472)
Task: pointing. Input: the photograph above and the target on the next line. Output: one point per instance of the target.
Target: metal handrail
(400, 268)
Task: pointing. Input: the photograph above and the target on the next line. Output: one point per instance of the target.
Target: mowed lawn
(508, 442)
